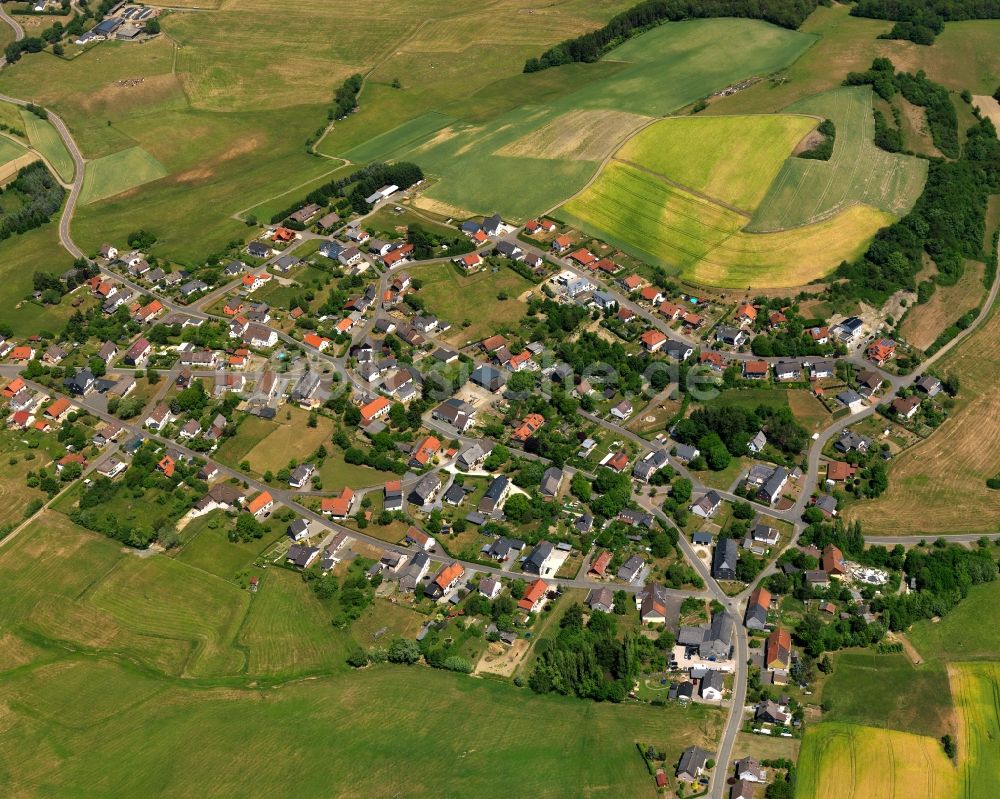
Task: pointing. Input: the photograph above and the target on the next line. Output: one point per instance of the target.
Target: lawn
(731, 159)
(45, 139)
(970, 632)
(807, 191)
(114, 174)
(335, 473)
(251, 431)
(847, 761)
(661, 224)
(939, 486)
(857, 693)
(479, 306)
(976, 687)
(808, 411)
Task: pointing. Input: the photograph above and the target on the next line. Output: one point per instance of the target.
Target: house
(425, 490)
(261, 504)
(317, 342)
(488, 377)
(777, 320)
(509, 249)
(298, 529)
(692, 764)
(301, 555)
(108, 352)
(599, 565)
(469, 262)
(787, 370)
(552, 481)
(601, 599)
(732, 336)
(849, 441)
(561, 243)
(750, 770)
(225, 496)
(534, 597)
(906, 407)
(758, 606)
(692, 321)
(159, 418)
(651, 294)
(447, 578)
(460, 415)
(765, 534)
(671, 311)
(821, 369)
(496, 494)
(881, 350)
(393, 499)
(771, 712)
(702, 538)
(929, 384)
(712, 686)
(617, 462)
(58, 409)
(724, 559)
(774, 485)
(636, 518)
(652, 340)
(82, 383)
(713, 360)
(741, 789)
(192, 287)
(622, 410)
(415, 573)
(138, 353)
(650, 464)
(300, 475)
(832, 561)
(338, 507)
(631, 569)
(707, 505)
(746, 314)
(505, 549)
(109, 252)
(838, 471)
(686, 453)
(583, 256)
(651, 603)
(632, 283)
(490, 587)
(757, 443)
(542, 561)
(375, 409)
(53, 355)
(852, 400)
(821, 335)
(424, 452)
(471, 458)
(418, 537)
(827, 504)
(778, 649)
(755, 370)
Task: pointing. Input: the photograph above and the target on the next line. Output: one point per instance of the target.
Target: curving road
(15, 26)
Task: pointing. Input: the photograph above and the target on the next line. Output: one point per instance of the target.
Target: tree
(681, 490)
(404, 650)
(579, 486)
(517, 587)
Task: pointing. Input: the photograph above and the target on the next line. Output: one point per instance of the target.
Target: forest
(41, 195)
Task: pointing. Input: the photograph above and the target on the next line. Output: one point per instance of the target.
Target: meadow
(9, 150)
(847, 761)
(704, 242)
(924, 323)
(117, 173)
(970, 632)
(976, 687)
(806, 191)
(808, 410)
(206, 545)
(44, 138)
(939, 486)
(731, 159)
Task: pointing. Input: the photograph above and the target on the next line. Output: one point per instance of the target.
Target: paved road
(15, 26)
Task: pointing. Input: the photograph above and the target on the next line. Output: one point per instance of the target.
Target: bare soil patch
(501, 660)
(988, 107)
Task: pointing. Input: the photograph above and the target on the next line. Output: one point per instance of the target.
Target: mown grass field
(976, 687)
(847, 761)
(114, 174)
(970, 632)
(731, 159)
(939, 486)
(703, 241)
(809, 411)
(806, 191)
(45, 139)
(857, 693)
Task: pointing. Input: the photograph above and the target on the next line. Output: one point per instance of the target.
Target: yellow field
(576, 135)
(939, 485)
(733, 158)
(846, 761)
(976, 688)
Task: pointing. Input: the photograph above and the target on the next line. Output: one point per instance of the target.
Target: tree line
(592, 46)
(920, 21)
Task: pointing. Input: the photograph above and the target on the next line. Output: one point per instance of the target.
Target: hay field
(732, 159)
(577, 135)
(976, 687)
(45, 139)
(114, 174)
(925, 322)
(846, 761)
(807, 191)
(939, 486)
(657, 222)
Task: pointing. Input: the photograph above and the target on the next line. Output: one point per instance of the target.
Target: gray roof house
(692, 763)
(551, 482)
(724, 559)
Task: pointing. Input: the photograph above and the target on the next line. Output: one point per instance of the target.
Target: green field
(704, 242)
(114, 174)
(857, 693)
(807, 191)
(977, 696)
(9, 150)
(731, 159)
(970, 632)
(207, 545)
(846, 761)
(45, 139)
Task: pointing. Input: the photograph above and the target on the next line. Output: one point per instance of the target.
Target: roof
(778, 648)
(532, 594)
(371, 409)
(448, 575)
(259, 502)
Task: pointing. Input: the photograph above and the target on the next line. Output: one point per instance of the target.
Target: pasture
(847, 761)
(970, 632)
(857, 693)
(976, 687)
(939, 486)
(704, 241)
(731, 159)
(114, 174)
(807, 191)
(585, 135)
(480, 313)
(44, 138)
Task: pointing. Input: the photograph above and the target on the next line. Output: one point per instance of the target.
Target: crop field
(114, 174)
(730, 159)
(486, 315)
(585, 135)
(939, 486)
(9, 150)
(44, 138)
(806, 191)
(647, 217)
(976, 687)
(847, 761)
(857, 693)
(926, 322)
(970, 632)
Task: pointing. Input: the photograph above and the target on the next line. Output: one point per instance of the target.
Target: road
(15, 26)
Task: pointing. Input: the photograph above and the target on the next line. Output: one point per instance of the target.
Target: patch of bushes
(824, 149)
(920, 21)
